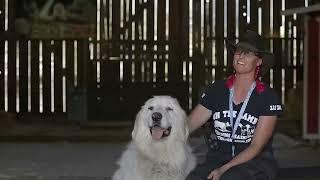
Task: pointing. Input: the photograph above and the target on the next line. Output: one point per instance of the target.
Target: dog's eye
(150, 108)
(169, 109)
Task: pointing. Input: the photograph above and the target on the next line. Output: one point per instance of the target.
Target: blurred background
(79, 71)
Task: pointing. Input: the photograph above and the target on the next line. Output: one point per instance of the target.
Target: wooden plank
(231, 19)
(277, 68)
(108, 96)
(127, 70)
(196, 26)
(160, 71)
(2, 16)
(2, 70)
(138, 37)
(288, 80)
(242, 19)
(46, 75)
(219, 39)
(300, 56)
(206, 75)
(180, 30)
(2, 54)
(127, 64)
(178, 38)
(58, 72)
(83, 63)
(198, 63)
(88, 79)
(150, 33)
(160, 53)
(265, 8)
(35, 76)
(231, 27)
(70, 63)
(276, 18)
(161, 37)
(254, 15)
(12, 75)
(115, 48)
(23, 78)
(266, 76)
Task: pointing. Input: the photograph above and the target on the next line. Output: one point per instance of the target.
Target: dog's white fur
(169, 158)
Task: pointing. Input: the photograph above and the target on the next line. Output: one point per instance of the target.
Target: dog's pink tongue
(157, 133)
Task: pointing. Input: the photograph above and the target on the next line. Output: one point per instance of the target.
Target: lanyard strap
(239, 117)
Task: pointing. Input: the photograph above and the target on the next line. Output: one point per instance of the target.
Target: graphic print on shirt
(223, 129)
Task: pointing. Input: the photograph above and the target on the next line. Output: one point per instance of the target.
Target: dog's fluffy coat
(158, 152)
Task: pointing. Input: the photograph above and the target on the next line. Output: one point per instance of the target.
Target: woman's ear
(259, 63)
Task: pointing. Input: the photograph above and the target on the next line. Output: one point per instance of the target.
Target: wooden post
(311, 106)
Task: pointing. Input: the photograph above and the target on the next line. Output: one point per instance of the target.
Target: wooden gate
(141, 48)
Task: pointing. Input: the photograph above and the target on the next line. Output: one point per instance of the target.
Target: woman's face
(245, 61)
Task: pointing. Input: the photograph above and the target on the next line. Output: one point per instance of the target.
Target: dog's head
(161, 118)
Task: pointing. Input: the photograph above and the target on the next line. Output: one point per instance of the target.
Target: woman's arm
(262, 134)
(198, 117)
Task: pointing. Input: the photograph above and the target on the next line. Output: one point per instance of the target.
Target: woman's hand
(215, 174)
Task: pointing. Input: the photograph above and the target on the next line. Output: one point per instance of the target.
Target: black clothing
(216, 99)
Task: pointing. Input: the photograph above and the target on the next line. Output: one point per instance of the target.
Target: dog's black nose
(156, 116)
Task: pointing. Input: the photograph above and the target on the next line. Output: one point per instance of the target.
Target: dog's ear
(136, 126)
(139, 129)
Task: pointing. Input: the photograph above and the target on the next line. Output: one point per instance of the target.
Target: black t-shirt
(216, 99)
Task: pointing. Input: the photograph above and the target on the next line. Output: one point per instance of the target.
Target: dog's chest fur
(162, 171)
(134, 165)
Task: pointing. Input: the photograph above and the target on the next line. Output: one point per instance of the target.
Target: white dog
(159, 149)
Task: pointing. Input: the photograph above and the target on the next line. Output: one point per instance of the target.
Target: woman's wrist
(225, 167)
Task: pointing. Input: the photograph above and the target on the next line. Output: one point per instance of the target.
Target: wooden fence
(142, 48)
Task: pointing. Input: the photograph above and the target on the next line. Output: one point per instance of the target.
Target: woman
(243, 113)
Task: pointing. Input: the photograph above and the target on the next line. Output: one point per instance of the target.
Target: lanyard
(243, 107)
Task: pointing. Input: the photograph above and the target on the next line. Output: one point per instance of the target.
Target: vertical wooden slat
(300, 50)
(109, 92)
(277, 65)
(219, 38)
(127, 71)
(35, 76)
(276, 17)
(161, 40)
(12, 75)
(94, 92)
(196, 26)
(70, 63)
(138, 45)
(265, 8)
(11, 59)
(46, 75)
(2, 53)
(208, 43)
(127, 31)
(23, 78)
(231, 27)
(231, 19)
(178, 37)
(242, 19)
(127, 65)
(254, 15)
(58, 76)
(2, 15)
(150, 30)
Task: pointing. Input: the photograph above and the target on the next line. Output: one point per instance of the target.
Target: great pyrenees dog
(159, 148)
